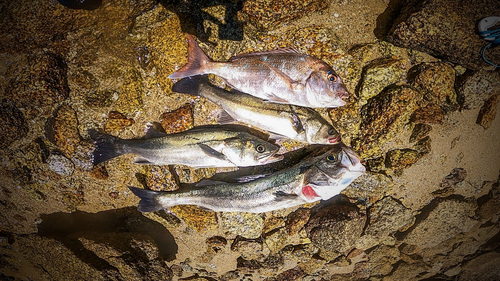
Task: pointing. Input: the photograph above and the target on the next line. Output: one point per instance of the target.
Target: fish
(282, 120)
(205, 146)
(313, 179)
(282, 75)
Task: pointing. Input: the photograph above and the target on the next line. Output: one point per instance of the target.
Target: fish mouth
(271, 158)
(351, 161)
(334, 140)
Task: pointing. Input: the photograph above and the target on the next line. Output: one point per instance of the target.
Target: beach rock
(447, 186)
(250, 249)
(117, 122)
(428, 114)
(12, 124)
(378, 75)
(178, 120)
(130, 95)
(423, 146)
(383, 117)
(276, 240)
(483, 267)
(369, 188)
(296, 220)
(290, 275)
(195, 217)
(388, 216)
(419, 132)
(401, 158)
(475, 88)
(267, 15)
(444, 29)
(437, 82)
(449, 217)
(160, 178)
(488, 112)
(336, 228)
(405, 270)
(65, 130)
(61, 165)
(248, 225)
(381, 260)
(83, 154)
(347, 120)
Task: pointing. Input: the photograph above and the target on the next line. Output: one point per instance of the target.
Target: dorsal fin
(271, 52)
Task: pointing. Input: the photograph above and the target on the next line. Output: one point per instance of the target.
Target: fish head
(248, 150)
(324, 88)
(331, 173)
(318, 132)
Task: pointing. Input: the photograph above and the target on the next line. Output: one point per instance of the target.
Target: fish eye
(260, 148)
(331, 158)
(331, 131)
(332, 77)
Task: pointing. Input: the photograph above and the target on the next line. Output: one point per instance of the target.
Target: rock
(423, 146)
(437, 82)
(336, 228)
(401, 158)
(42, 84)
(444, 29)
(409, 271)
(388, 216)
(347, 120)
(376, 165)
(99, 172)
(267, 15)
(12, 124)
(456, 176)
(65, 130)
(82, 155)
(130, 96)
(215, 245)
(61, 165)
(230, 275)
(449, 217)
(250, 249)
(378, 75)
(383, 117)
(483, 267)
(248, 225)
(296, 220)
(117, 122)
(428, 114)
(290, 275)
(369, 188)
(276, 239)
(381, 260)
(476, 87)
(488, 112)
(178, 120)
(101, 98)
(273, 223)
(195, 217)
(419, 132)
(160, 178)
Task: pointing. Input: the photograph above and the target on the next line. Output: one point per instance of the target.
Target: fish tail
(197, 60)
(106, 147)
(149, 199)
(189, 85)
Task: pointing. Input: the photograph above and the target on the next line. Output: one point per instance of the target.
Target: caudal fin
(105, 147)
(189, 85)
(149, 202)
(196, 61)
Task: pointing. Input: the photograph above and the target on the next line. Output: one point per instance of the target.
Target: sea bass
(281, 76)
(313, 179)
(293, 122)
(208, 146)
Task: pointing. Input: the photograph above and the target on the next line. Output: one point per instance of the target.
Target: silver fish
(313, 179)
(280, 76)
(207, 146)
(293, 122)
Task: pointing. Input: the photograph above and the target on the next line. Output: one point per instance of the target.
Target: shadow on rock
(124, 232)
(193, 13)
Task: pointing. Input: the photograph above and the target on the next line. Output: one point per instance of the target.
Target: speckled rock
(42, 84)
(250, 249)
(483, 267)
(378, 75)
(267, 15)
(336, 228)
(423, 145)
(476, 87)
(117, 122)
(447, 219)
(401, 158)
(292, 274)
(12, 124)
(419, 132)
(444, 29)
(369, 188)
(276, 240)
(428, 114)
(160, 178)
(296, 220)
(178, 120)
(347, 120)
(82, 155)
(381, 260)
(447, 186)
(130, 96)
(65, 130)
(384, 116)
(61, 165)
(409, 271)
(248, 225)
(488, 112)
(388, 216)
(215, 245)
(437, 82)
(196, 218)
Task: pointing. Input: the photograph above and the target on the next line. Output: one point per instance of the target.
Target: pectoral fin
(280, 196)
(212, 152)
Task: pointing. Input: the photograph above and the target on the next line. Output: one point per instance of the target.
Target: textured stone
(130, 96)
(66, 135)
(488, 112)
(483, 267)
(401, 158)
(378, 75)
(276, 239)
(381, 260)
(428, 114)
(61, 165)
(419, 132)
(347, 120)
(117, 122)
(383, 117)
(160, 178)
(248, 225)
(196, 218)
(388, 216)
(449, 218)
(296, 220)
(476, 87)
(443, 28)
(336, 228)
(178, 120)
(270, 14)
(12, 124)
(250, 249)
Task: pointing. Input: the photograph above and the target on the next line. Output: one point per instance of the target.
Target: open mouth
(271, 158)
(334, 140)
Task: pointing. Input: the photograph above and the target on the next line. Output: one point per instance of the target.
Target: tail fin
(189, 85)
(148, 201)
(196, 61)
(106, 147)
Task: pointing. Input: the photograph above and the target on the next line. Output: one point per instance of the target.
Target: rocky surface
(426, 128)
